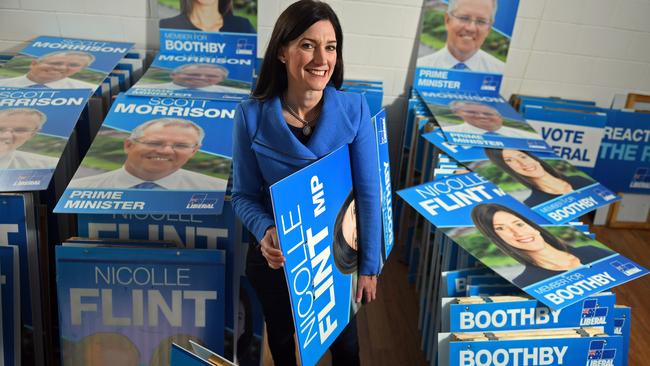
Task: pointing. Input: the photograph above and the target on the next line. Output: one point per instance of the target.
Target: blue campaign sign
(192, 76)
(10, 311)
(446, 61)
(454, 283)
(588, 351)
(381, 133)
(15, 232)
(156, 155)
(475, 119)
(526, 314)
(622, 319)
(449, 202)
(41, 122)
(106, 54)
(129, 305)
(313, 209)
(574, 135)
(623, 162)
(527, 176)
(187, 231)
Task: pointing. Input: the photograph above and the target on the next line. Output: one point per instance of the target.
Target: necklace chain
(306, 128)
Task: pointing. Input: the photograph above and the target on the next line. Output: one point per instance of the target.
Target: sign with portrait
(187, 231)
(315, 217)
(126, 306)
(471, 119)
(156, 155)
(225, 16)
(464, 44)
(213, 66)
(36, 125)
(549, 185)
(62, 63)
(557, 265)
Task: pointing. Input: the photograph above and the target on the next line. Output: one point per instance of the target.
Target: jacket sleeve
(365, 177)
(248, 183)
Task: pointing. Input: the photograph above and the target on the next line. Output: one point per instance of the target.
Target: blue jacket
(265, 151)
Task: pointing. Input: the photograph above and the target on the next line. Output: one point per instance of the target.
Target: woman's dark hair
(483, 216)
(345, 257)
(293, 22)
(496, 157)
(225, 6)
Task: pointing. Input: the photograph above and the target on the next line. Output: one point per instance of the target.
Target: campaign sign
(491, 290)
(574, 135)
(129, 305)
(549, 185)
(624, 157)
(195, 76)
(381, 133)
(187, 231)
(38, 124)
(156, 155)
(314, 211)
(454, 283)
(10, 296)
(14, 232)
(588, 351)
(529, 314)
(558, 265)
(449, 60)
(86, 62)
(622, 320)
(481, 120)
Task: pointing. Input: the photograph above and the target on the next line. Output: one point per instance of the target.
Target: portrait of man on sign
(459, 36)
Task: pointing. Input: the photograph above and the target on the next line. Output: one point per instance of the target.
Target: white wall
(586, 49)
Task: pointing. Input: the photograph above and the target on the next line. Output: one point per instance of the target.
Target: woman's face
(516, 232)
(349, 225)
(523, 164)
(310, 58)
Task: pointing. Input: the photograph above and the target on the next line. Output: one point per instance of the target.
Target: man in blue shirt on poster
(17, 126)
(54, 71)
(468, 23)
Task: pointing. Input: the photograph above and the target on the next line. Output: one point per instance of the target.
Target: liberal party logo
(202, 201)
(592, 314)
(641, 178)
(598, 355)
(30, 178)
(244, 47)
(618, 325)
(533, 144)
(605, 194)
(489, 84)
(627, 269)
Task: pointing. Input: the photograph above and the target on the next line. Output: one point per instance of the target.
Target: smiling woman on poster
(542, 254)
(544, 181)
(296, 116)
(208, 16)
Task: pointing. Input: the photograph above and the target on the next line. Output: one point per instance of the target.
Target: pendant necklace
(306, 128)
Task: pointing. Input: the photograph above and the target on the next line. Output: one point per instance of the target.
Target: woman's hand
(366, 286)
(270, 248)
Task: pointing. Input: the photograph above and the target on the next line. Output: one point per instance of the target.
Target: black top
(231, 23)
(538, 197)
(297, 131)
(533, 273)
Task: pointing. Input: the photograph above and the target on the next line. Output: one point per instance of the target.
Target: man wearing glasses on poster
(155, 153)
(17, 126)
(468, 23)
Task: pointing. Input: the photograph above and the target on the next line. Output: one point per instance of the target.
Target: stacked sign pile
(488, 218)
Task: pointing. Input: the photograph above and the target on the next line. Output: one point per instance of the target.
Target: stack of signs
(39, 124)
(126, 306)
(549, 185)
(10, 306)
(314, 213)
(62, 63)
(151, 156)
(558, 265)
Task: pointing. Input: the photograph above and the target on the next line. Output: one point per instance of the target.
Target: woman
(542, 254)
(296, 116)
(542, 179)
(208, 16)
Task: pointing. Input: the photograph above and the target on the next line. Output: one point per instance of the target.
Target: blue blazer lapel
(274, 139)
(334, 127)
